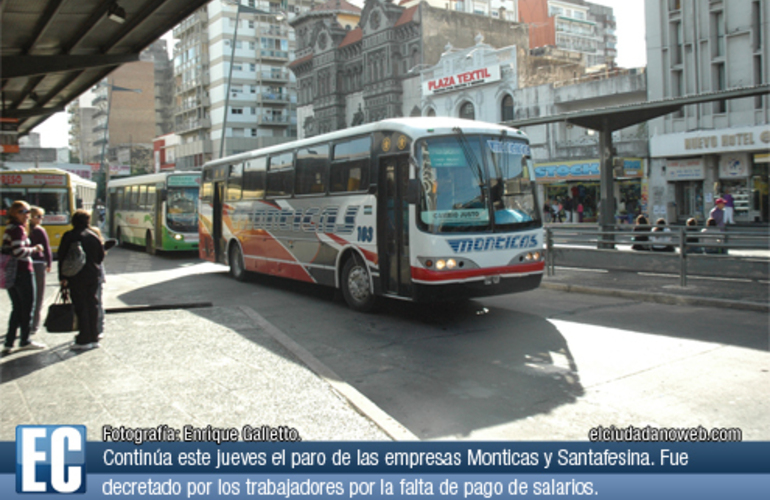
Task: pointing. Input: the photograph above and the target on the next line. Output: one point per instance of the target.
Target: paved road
(542, 365)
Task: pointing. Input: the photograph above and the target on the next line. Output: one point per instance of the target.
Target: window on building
(758, 80)
(718, 33)
(720, 83)
(236, 111)
(677, 39)
(467, 111)
(506, 111)
(431, 112)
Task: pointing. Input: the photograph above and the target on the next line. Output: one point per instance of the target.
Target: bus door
(219, 242)
(112, 207)
(393, 224)
(159, 214)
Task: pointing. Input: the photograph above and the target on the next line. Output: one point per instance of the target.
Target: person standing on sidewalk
(22, 293)
(729, 207)
(41, 261)
(84, 286)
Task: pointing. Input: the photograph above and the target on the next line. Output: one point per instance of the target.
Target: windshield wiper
(471, 159)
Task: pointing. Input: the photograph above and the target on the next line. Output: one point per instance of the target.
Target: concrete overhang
(54, 50)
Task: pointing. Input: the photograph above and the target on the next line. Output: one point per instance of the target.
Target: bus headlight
(447, 263)
(440, 264)
(178, 237)
(451, 264)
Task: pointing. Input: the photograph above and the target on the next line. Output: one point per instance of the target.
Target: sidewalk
(218, 366)
(753, 295)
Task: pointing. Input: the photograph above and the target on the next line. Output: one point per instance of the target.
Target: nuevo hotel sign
(743, 139)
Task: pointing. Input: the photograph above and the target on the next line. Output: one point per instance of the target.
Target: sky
(54, 132)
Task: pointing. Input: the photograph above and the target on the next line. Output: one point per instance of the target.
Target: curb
(660, 298)
(361, 403)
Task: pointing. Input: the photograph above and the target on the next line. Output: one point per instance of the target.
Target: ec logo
(51, 459)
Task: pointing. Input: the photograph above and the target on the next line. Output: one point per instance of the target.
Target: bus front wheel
(237, 266)
(356, 286)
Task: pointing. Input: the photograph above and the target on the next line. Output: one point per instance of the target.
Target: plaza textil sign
(461, 80)
(583, 170)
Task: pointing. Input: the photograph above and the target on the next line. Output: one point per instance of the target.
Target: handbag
(61, 316)
(8, 266)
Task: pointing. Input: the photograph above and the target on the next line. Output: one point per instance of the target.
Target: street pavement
(228, 366)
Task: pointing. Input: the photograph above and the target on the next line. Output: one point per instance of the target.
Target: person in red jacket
(22, 293)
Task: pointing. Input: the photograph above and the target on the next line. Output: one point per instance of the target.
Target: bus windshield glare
(476, 183)
(182, 212)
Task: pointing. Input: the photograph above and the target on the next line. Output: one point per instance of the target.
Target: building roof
(337, 5)
(352, 37)
(301, 60)
(407, 16)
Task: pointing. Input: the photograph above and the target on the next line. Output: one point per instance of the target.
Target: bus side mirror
(413, 191)
(163, 194)
(78, 203)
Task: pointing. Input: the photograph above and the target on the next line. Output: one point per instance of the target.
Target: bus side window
(134, 201)
(119, 198)
(254, 179)
(280, 175)
(142, 198)
(150, 205)
(312, 170)
(350, 165)
(234, 183)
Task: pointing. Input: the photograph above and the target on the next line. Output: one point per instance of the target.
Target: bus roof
(412, 126)
(75, 178)
(149, 178)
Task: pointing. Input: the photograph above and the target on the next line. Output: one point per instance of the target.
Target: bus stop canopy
(54, 50)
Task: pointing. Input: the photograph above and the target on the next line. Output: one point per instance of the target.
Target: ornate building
(362, 65)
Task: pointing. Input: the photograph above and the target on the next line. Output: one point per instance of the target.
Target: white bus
(420, 209)
(157, 211)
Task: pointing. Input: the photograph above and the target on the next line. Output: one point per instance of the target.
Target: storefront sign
(583, 170)
(685, 170)
(734, 166)
(711, 141)
(461, 80)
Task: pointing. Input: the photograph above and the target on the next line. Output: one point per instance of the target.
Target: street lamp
(248, 10)
(104, 172)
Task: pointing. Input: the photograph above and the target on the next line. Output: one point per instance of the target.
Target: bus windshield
(182, 212)
(476, 183)
(54, 201)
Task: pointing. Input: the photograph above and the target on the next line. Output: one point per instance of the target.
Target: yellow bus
(56, 191)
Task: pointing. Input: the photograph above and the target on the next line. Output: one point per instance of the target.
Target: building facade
(574, 26)
(253, 100)
(710, 149)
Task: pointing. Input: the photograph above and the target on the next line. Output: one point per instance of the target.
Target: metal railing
(677, 241)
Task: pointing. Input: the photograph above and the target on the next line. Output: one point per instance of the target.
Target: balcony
(273, 76)
(276, 98)
(276, 55)
(188, 126)
(273, 121)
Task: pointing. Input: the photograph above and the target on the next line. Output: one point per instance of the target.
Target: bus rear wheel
(356, 286)
(237, 265)
(149, 244)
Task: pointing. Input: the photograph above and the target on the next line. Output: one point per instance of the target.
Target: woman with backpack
(22, 293)
(80, 257)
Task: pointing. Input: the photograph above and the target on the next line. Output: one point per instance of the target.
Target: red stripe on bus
(370, 256)
(422, 274)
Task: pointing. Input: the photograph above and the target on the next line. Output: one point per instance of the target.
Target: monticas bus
(421, 209)
(56, 191)
(157, 211)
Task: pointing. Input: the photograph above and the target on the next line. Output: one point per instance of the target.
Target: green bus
(157, 211)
